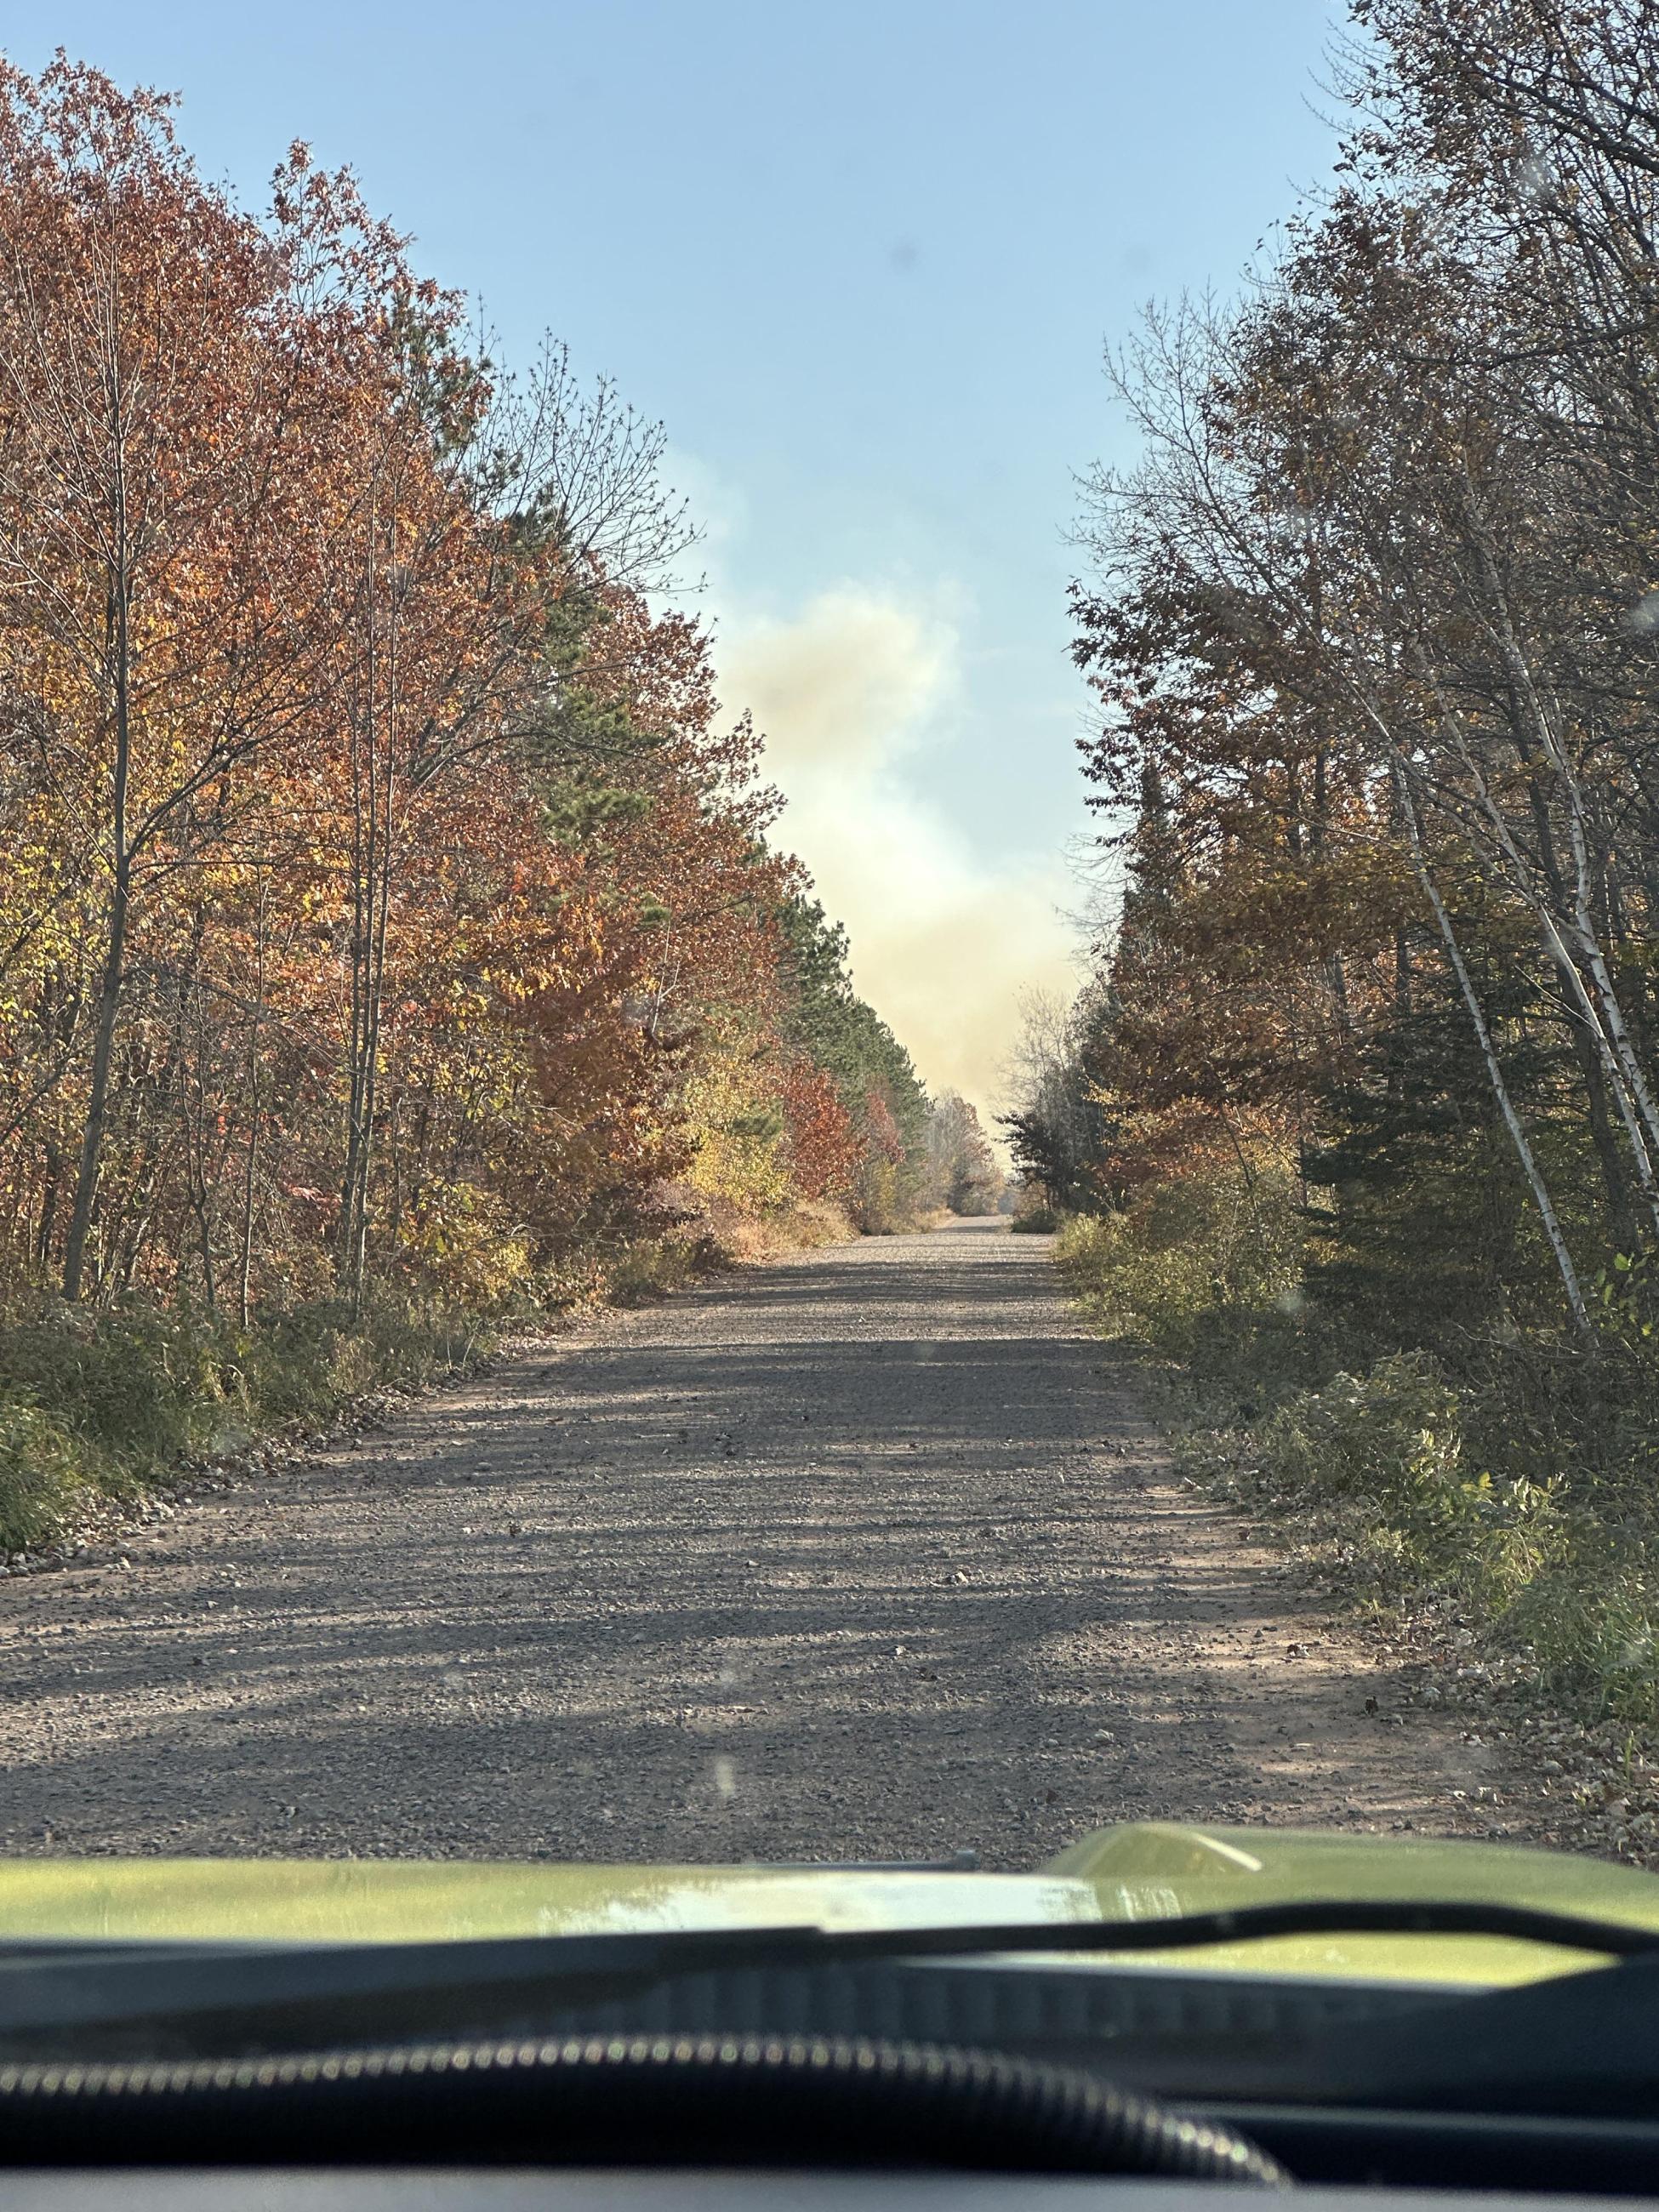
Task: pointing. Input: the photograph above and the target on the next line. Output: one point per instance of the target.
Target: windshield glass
(828, 1026)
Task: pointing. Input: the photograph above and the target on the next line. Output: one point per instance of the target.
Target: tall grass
(98, 1404)
(1503, 1471)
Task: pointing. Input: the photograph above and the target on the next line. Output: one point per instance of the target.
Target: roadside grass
(1504, 1481)
(100, 1404)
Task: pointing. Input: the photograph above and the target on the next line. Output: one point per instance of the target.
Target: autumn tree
(162, 405)
(1366, 626)
(963, 1173)
(390, 906)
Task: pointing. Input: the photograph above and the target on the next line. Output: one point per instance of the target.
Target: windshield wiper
(1257, 1924)
(149, 1994)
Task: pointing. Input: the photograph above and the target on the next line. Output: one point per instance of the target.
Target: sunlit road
(868, 1554)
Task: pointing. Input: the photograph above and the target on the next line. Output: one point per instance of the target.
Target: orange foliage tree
(381, 873)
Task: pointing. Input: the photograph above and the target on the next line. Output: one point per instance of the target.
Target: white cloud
(855, 695)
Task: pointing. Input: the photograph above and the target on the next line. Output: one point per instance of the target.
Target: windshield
(828, 1067)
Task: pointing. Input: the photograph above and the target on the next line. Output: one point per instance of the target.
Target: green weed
(98, 1404)
(1510, 1472)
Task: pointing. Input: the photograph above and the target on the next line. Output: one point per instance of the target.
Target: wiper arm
(1257, 1924)
(276, 1993)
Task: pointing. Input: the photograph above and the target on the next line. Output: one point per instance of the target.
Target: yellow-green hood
(1138, 1872)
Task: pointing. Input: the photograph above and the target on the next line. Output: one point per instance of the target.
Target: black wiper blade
(300, 1988)
(1257, 1924)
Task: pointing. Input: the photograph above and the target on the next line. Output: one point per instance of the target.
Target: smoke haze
(855, 695)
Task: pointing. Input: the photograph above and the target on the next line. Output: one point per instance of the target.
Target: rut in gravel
(867, 1553)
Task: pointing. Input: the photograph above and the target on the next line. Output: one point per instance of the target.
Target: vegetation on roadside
(1475, 1473)
(391, 941)
(964, 1177)
(1356, 1124)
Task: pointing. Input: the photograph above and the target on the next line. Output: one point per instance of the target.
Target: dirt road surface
(867, 1553)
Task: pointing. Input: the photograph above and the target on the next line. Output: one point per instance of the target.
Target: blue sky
(861, 259)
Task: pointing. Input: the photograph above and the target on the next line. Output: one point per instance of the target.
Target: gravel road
(865, 1553)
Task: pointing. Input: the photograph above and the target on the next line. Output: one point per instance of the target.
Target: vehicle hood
(1137, 1871)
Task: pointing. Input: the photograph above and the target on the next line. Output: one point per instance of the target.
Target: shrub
(137, 1385)
(1185, 1251)
(741, 1153)
(1507, 1471)
(463, 1242)
(1391, 1441)
(1395, 1433)
(41, 1474)
(96, 1404)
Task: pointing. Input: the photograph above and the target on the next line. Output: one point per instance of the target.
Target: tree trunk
(92, 1140)
(119, 667)
(1512, 1121)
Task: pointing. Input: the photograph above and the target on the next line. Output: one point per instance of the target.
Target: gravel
(869, 1553)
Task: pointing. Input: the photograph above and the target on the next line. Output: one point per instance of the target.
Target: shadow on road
(860, 1556)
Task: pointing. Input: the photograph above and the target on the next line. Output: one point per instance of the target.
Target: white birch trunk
(1512, 1122)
